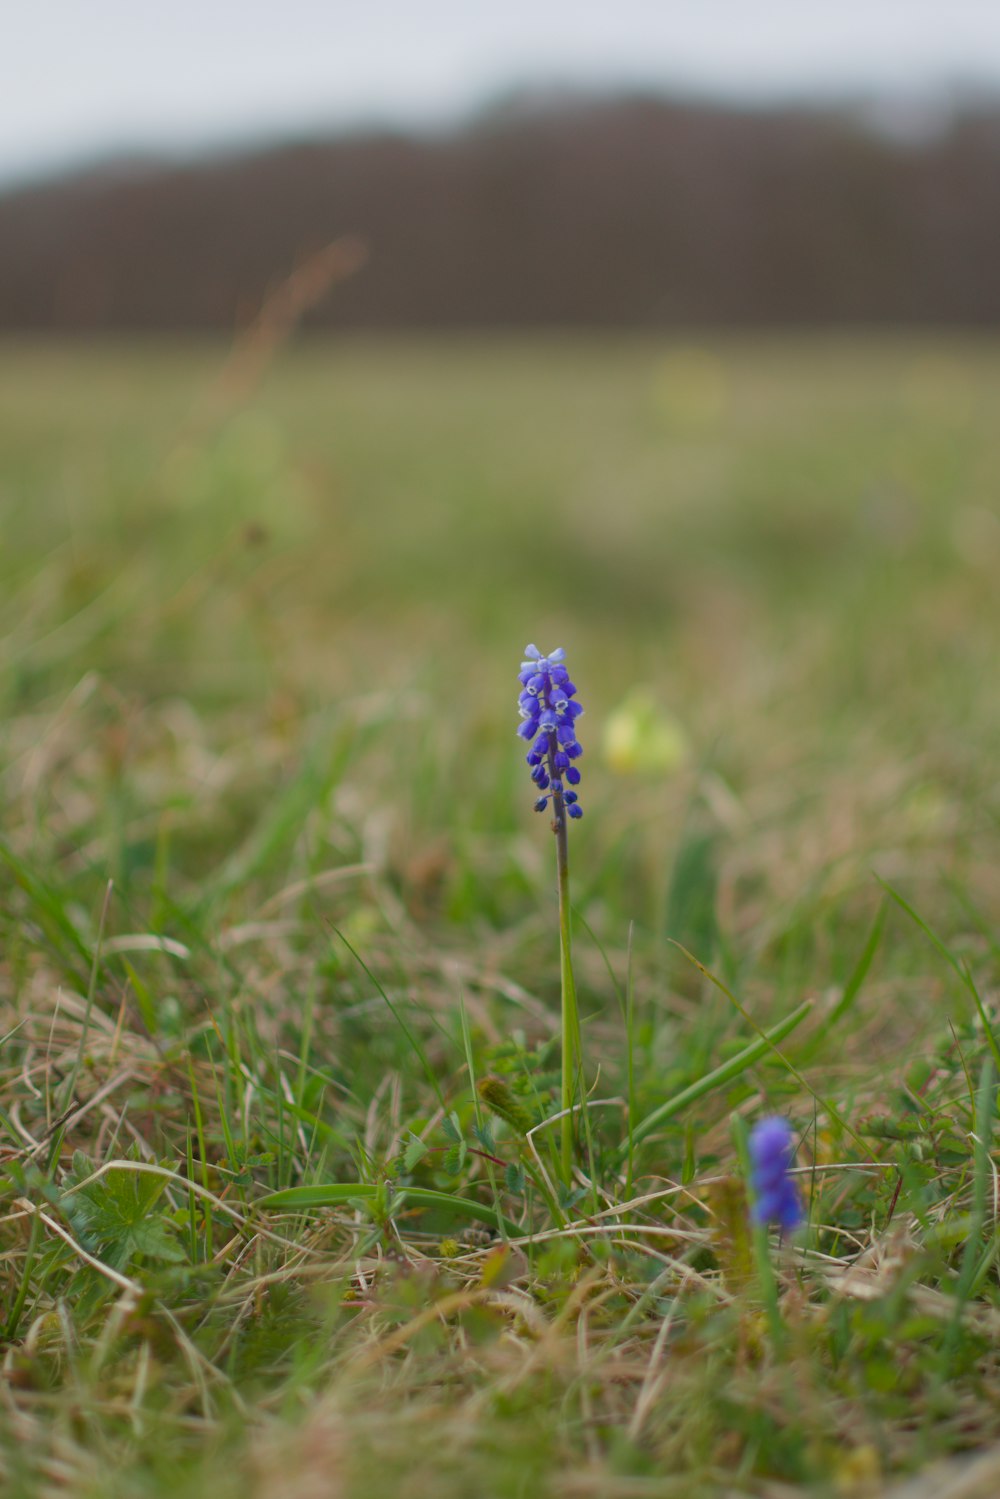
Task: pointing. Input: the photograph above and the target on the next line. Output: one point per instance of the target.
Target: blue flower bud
(775, 1195)
(549, 716)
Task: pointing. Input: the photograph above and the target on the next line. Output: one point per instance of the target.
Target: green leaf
(514, 1177)
(455, 1159)
(415, 1151)
(452, 1128)
(116, 1217)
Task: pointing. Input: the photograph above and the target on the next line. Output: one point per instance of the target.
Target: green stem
(570, 1014)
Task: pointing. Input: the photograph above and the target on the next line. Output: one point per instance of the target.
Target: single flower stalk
(775, 1196)
(549, 710)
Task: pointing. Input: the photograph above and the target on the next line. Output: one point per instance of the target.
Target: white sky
(80, 78)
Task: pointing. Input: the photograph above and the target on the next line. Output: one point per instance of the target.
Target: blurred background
(635, 166)
(346, 349)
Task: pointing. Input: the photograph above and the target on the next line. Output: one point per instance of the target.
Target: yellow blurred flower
(641, 737)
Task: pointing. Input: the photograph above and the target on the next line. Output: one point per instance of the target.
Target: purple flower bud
(547, 712)
(775, 1195)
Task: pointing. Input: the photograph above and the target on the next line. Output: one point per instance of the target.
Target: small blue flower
(775, 1195)
(549, 710)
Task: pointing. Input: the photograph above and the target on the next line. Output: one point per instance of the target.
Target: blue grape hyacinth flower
(549, 710)
(775, 1195)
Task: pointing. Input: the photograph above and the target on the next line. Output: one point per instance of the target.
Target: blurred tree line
(629, 213)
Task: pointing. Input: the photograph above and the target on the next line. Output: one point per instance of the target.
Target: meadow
(277, 917)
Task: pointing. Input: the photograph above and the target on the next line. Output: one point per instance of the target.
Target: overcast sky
(81, 78)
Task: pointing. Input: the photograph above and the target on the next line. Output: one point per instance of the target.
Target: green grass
(279, 942)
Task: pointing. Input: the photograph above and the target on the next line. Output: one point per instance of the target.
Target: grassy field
(273, 901)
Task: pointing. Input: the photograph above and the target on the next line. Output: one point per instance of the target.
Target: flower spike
(775, 1195)
(548, 709)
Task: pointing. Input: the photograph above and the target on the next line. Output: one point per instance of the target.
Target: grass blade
(961, 969)
(719, 1076)
(334, 1194)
